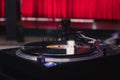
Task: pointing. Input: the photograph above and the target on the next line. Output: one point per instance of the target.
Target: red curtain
(88, 9)
(44, 8)
(82, 8)
(107, 9)
(28, 8)
(2, 8)
(59, 8)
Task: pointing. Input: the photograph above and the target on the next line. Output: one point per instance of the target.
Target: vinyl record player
(50, 60)
(54, 51)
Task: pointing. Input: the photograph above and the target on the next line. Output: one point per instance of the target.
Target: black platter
(38, 51)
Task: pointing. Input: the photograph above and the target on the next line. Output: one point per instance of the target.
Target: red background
(86, 9)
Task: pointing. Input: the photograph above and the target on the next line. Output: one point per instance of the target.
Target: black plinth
(25, 69)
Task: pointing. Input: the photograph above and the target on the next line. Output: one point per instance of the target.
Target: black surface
(22, 69)
(37, 48)
(40, 47)
(18, 67)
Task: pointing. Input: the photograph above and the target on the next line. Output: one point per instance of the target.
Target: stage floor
(96, 25)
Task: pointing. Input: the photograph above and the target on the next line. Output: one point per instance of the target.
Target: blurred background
(24, 21)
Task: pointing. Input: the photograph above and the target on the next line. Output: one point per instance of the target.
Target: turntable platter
(56, 51)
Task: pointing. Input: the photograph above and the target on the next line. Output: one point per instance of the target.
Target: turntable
(58, 52)
(53, 60)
